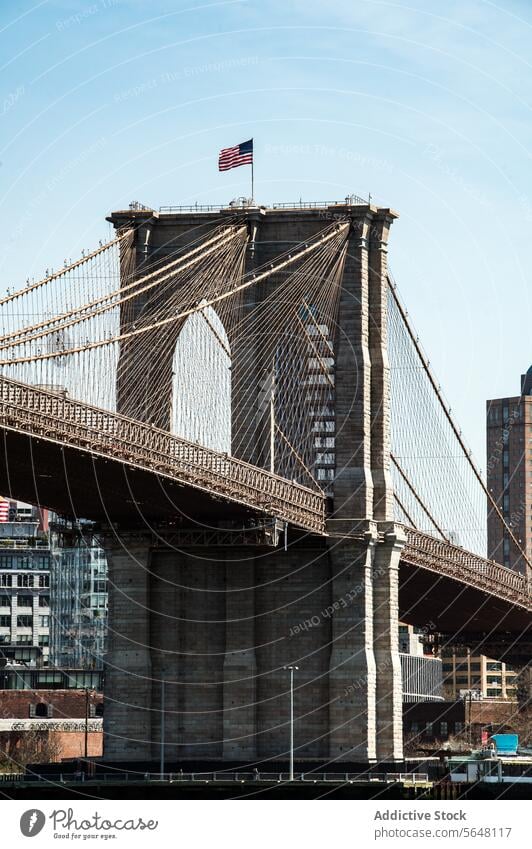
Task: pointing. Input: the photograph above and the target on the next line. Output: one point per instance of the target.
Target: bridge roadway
(86, 462)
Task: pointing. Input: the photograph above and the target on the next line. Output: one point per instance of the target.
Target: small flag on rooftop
(232, 157)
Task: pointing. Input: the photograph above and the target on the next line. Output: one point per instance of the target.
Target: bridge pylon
(216, 609)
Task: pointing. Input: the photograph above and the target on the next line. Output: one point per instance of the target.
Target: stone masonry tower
(216, 616)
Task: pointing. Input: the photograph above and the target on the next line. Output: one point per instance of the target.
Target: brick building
(427, 722)
(57, 722)
(509, 474)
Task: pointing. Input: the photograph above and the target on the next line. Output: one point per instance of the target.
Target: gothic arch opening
(201, 382)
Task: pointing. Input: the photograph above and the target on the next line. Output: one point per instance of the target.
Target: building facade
(482, 676)
(421, 670)
(24, 589)
(509, 475)
(431, 723)
(17, 676)
(47, 726)
(79, 605)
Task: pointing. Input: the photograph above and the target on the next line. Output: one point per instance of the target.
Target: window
(24, 638)
(24, 621)
(44, 580)
(47, 679)
(324, 442)
(44, 640)
(491, 692)
(5, 621)
(84, 680)
(5, 601)
(6, 561)
(44, 621)
(44, 601)
(327, 426)
(494, 679)
(428, 729)
(24, 580)
(41, 709)
(443, 729)
(5, 580)
(25, 600)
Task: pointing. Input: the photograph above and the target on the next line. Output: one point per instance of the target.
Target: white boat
(489, 768)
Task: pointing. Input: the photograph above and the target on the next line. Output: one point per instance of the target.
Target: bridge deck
(427, 552)
(465, 599)
(45, 414)
(99, 464)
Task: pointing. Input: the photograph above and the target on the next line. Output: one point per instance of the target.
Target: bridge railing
(52, 415)
(350, 200)
(430, 553)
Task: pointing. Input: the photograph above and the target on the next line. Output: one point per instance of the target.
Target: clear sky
(426, 105)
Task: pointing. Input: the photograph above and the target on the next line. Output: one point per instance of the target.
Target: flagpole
(252, 158)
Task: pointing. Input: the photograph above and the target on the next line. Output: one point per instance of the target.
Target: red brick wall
(72, 743)
(63, 744)
(486, 712)
(67, 704)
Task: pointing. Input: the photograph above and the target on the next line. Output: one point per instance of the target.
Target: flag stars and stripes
(233, 157)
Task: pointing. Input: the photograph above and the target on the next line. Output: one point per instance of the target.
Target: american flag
(232, 157)
(4, 510)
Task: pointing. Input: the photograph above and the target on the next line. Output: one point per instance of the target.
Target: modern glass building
(78, 590)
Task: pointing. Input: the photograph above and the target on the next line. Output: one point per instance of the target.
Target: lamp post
(86, 725)
(162, 752)
(291, 669)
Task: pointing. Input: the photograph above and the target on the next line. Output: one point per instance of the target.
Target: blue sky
(425, 105)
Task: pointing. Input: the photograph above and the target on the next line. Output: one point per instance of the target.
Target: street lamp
(162, 752)
(292, 669)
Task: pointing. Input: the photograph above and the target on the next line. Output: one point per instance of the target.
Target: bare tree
(19, 748)
(521, 724)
